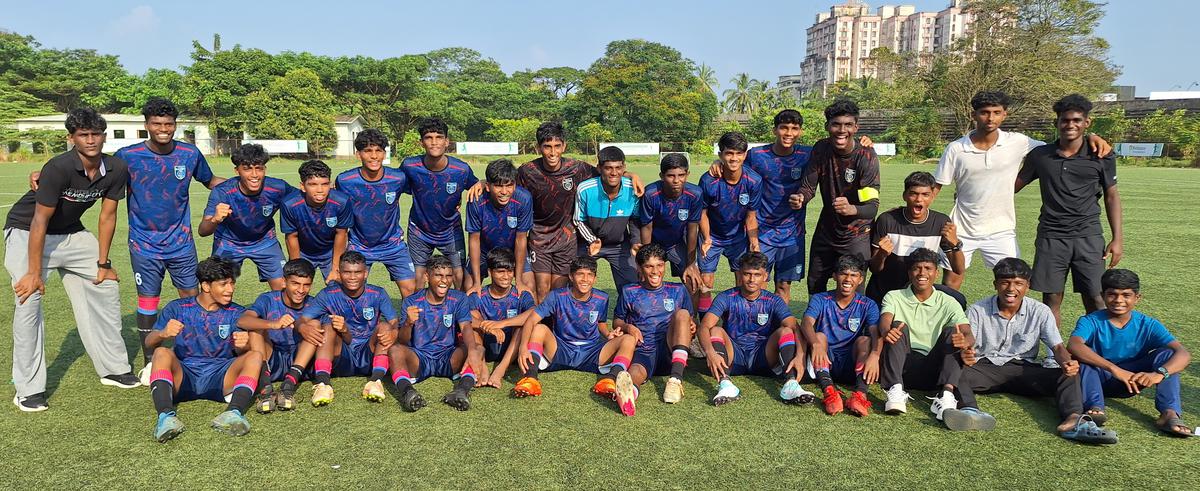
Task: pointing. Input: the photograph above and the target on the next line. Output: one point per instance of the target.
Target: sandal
(1097, 415)
(1086, 431)
(1170, 428)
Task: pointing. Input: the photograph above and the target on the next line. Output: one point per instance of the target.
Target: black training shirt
(64, 186)
(1071, 189)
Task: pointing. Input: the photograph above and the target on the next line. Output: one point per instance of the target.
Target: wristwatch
(1164, 372)
(104, 265)
(953, 248)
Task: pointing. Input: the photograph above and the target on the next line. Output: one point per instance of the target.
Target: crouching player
(358, 324)
(498, 312)
(762, 331)
(272, 320)
(659, 316)
(839, 326)
(429, 345)
(580, 340)
(208, 359)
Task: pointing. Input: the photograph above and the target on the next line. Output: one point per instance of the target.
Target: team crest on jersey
(850, 175)
(331, 222)
(797, 172)
(855, 323)
(451, 187)
(180, 172)
(593, 315)
(512, 222)
(510, 313)
(682, 213)
(568, 183)
(368, 313)
(267, 209)
(744, 199)
(669, 304)
(447, 319)
(763, 318)
(390, 197)
(223, 330)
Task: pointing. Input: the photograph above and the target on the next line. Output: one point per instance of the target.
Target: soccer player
(209, 358)
(44, 233)
(241, 212)
(286, 351)
(374, 192)
(762, 331)
(839, 326)
(501, 218)
(658, 315)
(429, 340)
(1069, 236)
(848, 174)
(904, 229)
(498, 313)
(580, 340)
(605, 207)
(984, 213)
(1008, 328)
(1123, 352)
(316, 220)
(922, 331)
(437, 182)
(780, 216)
(670, 214)
(729, 226)
(358, 323)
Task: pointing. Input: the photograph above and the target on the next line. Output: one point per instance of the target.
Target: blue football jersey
(315, 227)
(749, 322)
(576, 322)
(205, 334)
(508, 306)
(437, 326)
(437, 196)
(778, 224)
(270, 306)
(499, 226)
(362, 314)
(670, 217)
(251, 226)
(160, 219)
(842, 326)
(727, 205)
(651, 310)
(376, 207)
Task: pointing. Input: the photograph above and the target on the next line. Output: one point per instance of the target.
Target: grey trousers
(97, 308)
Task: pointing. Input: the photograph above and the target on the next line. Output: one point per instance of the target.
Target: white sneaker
(144, 375)
(793, 393)
(897, 400)
(941, 403)
(674, 391)
(726, 392)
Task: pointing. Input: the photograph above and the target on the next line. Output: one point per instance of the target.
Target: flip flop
(1086, 431)
(1097, 415)
(1171, 424)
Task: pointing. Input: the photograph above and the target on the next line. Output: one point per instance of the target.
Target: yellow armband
(867, 194)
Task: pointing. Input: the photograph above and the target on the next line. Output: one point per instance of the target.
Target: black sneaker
(411, 400)
(459, 399)
(124, 380)
(31, 403)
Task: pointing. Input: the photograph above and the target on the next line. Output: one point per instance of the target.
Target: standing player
(430, 345)
(670, 214)
(241, 211)
(900, 231)
(780, 216)
(729, 226)
(209, 358)
(502, 217)
(762, 331)
(286, 351)
(359, 324)
(315, 221)
(659, 316)
(437, 182)
(374, 192)
(605, 207)
(1069, 235)
(498, 312)
(839, 327)
(848, 174)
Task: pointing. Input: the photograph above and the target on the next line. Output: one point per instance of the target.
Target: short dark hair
(732, 140)
(250, 154)
(438, 262)
(610, 154)
(159, 106)
(314, 168)
(649, 251)
(1012, 267)
(501, 258)
(299, 267)
(850, 262)
(754, 260)
(216, 268)
(368, 137)
(919, 179)
(988, 98)
(921, 255)
(673, 160)
(432, 125)
(841, 107)
(550, 130)
(1073, 102)
(85, 118)
(789, 116)
(1120, 279)
(583, 262)
(500, 171)
(353, 257)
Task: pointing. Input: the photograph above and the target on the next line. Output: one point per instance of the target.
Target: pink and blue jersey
(842, 326)
(376, 207)
(498, 227)
(728, 204)
(436, 330)
(575, 322)
(270, 306)
(749, 323)
(160, 220)
(205, 334)
(251, 226)
(670, 217)
(508, 306)
(362, 313)
(651, 310)
(315, 227)
(778, 224)
(437, 196)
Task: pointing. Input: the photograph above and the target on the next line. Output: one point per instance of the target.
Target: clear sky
(762, 38)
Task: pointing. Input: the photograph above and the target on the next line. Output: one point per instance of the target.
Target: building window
(143, 134)
(118, 133)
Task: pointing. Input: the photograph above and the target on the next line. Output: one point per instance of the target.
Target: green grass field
(99, 437)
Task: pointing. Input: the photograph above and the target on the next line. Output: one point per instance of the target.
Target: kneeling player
(763, 333)
(498, 312)
(836, 326)
(286, 350)
(659, 316)
(358, 324)
(579, 341)
(210, 360)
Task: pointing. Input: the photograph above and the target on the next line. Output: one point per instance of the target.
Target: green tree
(707, 76)
(1175, 128)
(917, 132)
(1112, 124)
(293, 107)
(216, 84)
(592, 134)
(743, 97)
(523, 131)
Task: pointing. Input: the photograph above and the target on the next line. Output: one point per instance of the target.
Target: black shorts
(554, 260)
(1053, 257)
(822, 260)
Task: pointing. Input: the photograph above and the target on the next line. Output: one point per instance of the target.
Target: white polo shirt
(983, 179)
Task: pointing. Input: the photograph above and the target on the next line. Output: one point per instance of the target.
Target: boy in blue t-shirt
(1122, 351)
(729, 226)
(500, 218)
(273, 320)
(315, 222)
(839, 326)
(498, 312)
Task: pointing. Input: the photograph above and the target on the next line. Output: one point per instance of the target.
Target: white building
(126, 129)
(347, 128)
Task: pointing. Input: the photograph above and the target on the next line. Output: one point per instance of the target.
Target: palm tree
(708, 76)
(741, 98)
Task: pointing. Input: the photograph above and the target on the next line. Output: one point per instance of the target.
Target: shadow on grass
(69, 351)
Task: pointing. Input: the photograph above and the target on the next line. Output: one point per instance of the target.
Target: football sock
(860, 383)
(787, 351)
(618, 365)
(718, 344)
(379, 367)
(536, 350)
(466, 379)
(402, 380)
(321, 369)
(243, 392)
(293, 377)
(264, 377)
(145, 324)
(162, 391)
(824, 379)
(679, 357)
